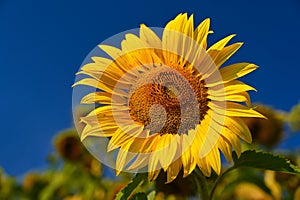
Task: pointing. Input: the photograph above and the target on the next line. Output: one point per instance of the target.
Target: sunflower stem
(201, 184)
(218, 180)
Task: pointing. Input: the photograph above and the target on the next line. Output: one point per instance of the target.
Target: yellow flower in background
(165, 102)
(68, 146)
(267, 132)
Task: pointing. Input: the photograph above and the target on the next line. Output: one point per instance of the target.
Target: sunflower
(266, 132)
(163, 100)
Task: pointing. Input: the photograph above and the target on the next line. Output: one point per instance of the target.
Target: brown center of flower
(169, 100)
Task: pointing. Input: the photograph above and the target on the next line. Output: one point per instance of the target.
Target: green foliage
(8, 187)
(294, 118)
(137, 181)
(151, 195)
(139, 196)
(237, 177)
(249, 176)
(263, 160)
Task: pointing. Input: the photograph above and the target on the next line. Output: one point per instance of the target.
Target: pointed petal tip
(82, 137)
(118, 172)
(185, 173)
(171, 177)
(111, 147)
(207, 20)
(259, 115)
(74, 84)
(80, 72)
(153, 175)
(249, 141)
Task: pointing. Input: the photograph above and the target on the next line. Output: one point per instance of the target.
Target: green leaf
(151, 195)
(249, 175)
(139, 196)
(125, 193)
(264, 160)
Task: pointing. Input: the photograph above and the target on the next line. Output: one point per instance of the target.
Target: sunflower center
(169, 100)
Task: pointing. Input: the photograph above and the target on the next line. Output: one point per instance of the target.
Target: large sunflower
(164, 102)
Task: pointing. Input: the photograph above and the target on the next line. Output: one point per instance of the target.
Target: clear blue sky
(42, 44)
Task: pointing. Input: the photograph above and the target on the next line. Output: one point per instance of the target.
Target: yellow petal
(216, 48)
(235, 71)
(233, 139)
(133, 42)
(187, 47)
(208, 70)
(173, 170)
(226, 53)
(105, 131)
(238, 127)
(123, 158)
(238, 110)
(145, 147)
(116, 140)
(210, 135)
(225, 147)
(108, 79)
(101, 61)
(96, 97)
(240, 97)
(152, 175)
(234, 110)
(98, 70)
(127, 64)
(107, 112)
(214, 160)
(93, 83)
(176, 38)
(187, 142)
(147, 35)
(122, 137)
(103, 98)
(236, 86)
(154, 166)
(201, 33)
(113, 52)
(231, 88)
(178, 24)
(188, 162)
(141, 161)
(100, 65)
(189, 27)
(204, 167)
(167, 149)
(170, 47)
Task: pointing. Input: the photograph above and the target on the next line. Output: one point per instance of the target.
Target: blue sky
(42, 45)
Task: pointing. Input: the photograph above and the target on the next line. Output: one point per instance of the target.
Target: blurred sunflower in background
(267, 132)
(166, 103)
(68, 146)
